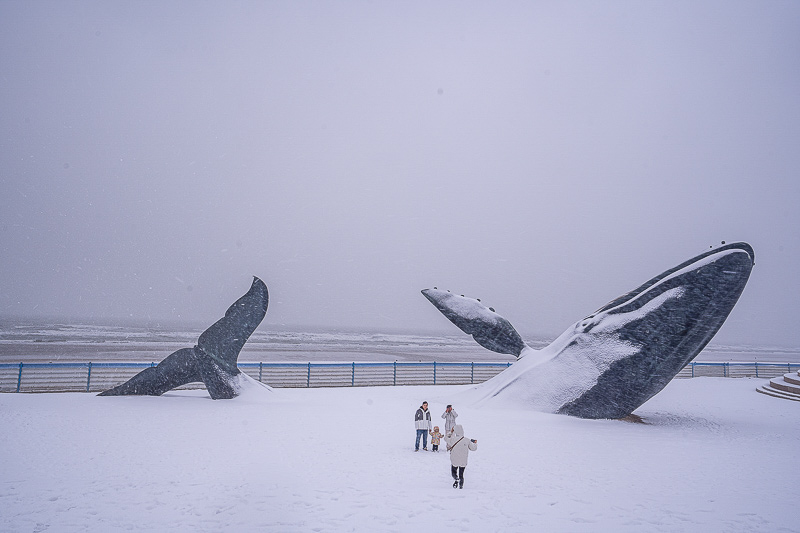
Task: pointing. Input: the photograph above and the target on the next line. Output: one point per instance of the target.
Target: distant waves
(84, 342)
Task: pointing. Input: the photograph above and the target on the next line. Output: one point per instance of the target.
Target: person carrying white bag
(459, 448)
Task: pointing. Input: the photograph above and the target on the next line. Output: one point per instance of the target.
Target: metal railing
(95, 377)
(737, 370)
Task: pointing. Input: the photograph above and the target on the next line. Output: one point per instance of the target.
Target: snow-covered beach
(711, 455)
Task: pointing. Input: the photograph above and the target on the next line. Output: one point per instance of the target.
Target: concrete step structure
(786, 387)
(792, 378)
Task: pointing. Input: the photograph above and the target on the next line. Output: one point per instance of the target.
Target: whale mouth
(743, 269)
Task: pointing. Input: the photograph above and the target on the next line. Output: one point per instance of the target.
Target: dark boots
(458, 475)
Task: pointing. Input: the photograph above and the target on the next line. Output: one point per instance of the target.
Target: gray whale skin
(212, 360)
(614, 360)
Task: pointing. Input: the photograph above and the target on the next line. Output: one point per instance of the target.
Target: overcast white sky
(545, 157)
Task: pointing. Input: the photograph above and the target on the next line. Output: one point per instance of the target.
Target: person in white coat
(449, 416)
(459, 447)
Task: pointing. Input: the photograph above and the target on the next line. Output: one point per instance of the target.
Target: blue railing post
(353, 376)
(394, 374)
(260, 368)
(472, 372)
(89, 376)
(756, 365)
(308, 377)
(692, 368)
(434, 372)
(19, 377)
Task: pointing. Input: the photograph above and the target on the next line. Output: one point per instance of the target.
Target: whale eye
(479, 299)
(492, 309)
(435, 288)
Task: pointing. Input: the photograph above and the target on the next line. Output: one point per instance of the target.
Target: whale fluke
(614, 360)
(224, 339)
(213, 360)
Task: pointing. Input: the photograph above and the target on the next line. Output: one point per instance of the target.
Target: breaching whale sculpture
(212, 360)
(614, 360)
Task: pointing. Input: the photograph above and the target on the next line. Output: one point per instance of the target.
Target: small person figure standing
(459, 448)
(422, 421)
(449, 416)
(435, 438)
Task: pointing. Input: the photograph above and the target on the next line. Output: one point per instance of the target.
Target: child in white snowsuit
(436, 437)
(459, 448)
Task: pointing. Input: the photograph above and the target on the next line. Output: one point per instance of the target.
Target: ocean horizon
(48, 340)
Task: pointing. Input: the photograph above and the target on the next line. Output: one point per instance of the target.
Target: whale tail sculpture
(212, 360)
(614, 360)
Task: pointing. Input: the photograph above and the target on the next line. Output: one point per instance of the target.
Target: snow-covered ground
(712, 455)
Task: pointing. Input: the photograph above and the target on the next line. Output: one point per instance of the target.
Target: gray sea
(31, 341)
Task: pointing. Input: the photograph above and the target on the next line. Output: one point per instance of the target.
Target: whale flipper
(489, 329)
(617, 358)
(213, 360)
